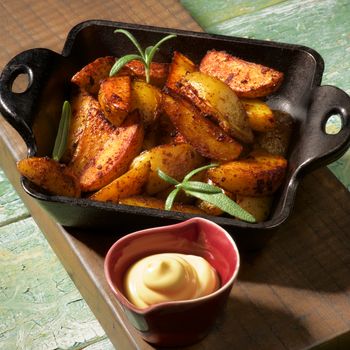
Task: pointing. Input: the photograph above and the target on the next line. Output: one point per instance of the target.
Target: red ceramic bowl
(175, 323)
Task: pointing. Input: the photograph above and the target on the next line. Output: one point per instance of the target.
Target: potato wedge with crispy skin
(166, 129)
(259, 207)
(156, 203)
(129, 184)
(81, 104)
(258, 175)
(54, 177)
(105, 151)
(217, 101)
(90, 76)
(158, 71)
(260, 116)
(245, 78)
(114, 97)
(208, 139)
(147, 99)
(150, 139)
(174, 160)
(179, 67)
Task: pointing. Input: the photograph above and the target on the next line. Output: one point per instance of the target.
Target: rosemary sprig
(206, 192)
(62, 134)
(145, 56)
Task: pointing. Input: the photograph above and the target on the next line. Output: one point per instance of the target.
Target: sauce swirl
(169, 277)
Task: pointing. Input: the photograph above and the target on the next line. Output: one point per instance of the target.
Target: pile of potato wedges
(123, 130)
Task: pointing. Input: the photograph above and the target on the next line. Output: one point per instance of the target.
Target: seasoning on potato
(134, 120)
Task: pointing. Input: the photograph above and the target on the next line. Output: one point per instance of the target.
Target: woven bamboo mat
(27, 24)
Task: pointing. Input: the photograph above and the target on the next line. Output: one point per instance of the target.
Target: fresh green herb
(145, 57)
(62, 134)
(206, 192)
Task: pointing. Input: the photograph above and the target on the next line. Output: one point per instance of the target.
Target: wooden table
(292, 295)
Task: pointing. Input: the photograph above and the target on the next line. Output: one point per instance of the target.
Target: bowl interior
(195, 236)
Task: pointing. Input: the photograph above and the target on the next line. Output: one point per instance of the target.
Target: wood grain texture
(322, 25)
(28, 24)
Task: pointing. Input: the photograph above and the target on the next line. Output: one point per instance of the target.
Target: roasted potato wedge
(175, 160)
(54, 177)
(208, 139)
(156, 203)
(105, 152)
(129, 184)
(259, 175)
(245, 78)
(179, 67)
(259, 207)
(147, 99)
(217, 101)
(150, 139)
(166, 129)
(276, 140)
(208, 208)
(158, 71)
(114, 97)
(260, 116)
(82, 103)
(90, 76)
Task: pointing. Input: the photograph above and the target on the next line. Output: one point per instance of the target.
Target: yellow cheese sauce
(169, 277)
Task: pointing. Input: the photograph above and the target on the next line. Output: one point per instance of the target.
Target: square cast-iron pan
(35, 115)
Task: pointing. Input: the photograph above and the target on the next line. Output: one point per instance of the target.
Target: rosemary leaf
(206, 192)
(145, 57)
(132, 39)
(122, 62)
(199, 186)
(170, 199)
(198, 170)
(224, 203)
(147, 52)
(156, 46)
(62, 134)
(167, 178)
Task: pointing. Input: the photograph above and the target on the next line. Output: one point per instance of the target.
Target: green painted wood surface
(45, 311)
(323, 25)
(210, 13)
(11, 207)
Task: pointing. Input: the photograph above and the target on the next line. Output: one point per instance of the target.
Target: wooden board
(292, 295)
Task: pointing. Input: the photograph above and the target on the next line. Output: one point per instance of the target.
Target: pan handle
(318, 147)
(18, 108)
